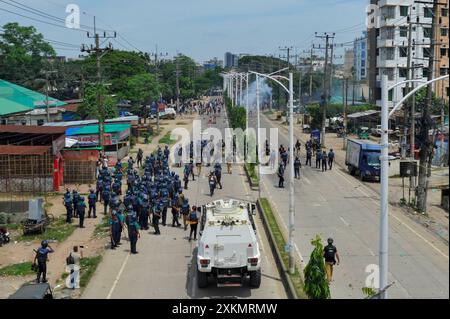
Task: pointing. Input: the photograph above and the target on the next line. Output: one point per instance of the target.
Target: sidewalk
(437, 218)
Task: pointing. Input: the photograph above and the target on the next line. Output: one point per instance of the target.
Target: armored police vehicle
(228, 249)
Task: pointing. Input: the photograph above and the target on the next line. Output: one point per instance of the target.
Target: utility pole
(288, 54)
(408, 89)
(178, 81)
(100, 52)
(426, 151)
(326, 93)
(345, 97)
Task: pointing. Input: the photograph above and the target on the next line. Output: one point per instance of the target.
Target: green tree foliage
(140, 89)
(89, 109)
(117, 67)
(236, 115)
(23, 53)
(436, 104)
(316, 284)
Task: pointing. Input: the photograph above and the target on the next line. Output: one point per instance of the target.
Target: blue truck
(363, 159)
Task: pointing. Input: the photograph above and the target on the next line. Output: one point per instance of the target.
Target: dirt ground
(19, 252)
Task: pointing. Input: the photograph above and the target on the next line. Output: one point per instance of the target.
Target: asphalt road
(166, 265)
(334, 204)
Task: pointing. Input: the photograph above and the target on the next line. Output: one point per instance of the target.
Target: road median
(293, 282)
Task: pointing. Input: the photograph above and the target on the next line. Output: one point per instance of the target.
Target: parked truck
(228, 249)
(363, 159)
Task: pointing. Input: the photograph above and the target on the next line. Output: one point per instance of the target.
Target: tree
(89, 109)
(23, 53)
(117, 67)
(140, 89)
(316, 284)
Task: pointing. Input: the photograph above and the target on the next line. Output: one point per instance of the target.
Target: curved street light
(384, 176)
(276, 78)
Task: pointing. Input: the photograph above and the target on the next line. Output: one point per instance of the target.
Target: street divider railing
(293, 282)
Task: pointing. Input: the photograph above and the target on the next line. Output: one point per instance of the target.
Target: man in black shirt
(331, 255)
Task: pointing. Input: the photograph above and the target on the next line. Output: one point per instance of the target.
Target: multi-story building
(231, 60)
(442, 52)
(318, 64)
(212, 64)
(360, 57)
(360, 83)
(349, 61)
(388, 44)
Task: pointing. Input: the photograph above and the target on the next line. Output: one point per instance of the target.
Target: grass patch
(281, 243)
(102, 230)
(167, 140)
(23, 269)
(88, 267)
(10, 227)
(58, 230)
(251, 169)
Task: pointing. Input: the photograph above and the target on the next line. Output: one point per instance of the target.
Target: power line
(43, 14)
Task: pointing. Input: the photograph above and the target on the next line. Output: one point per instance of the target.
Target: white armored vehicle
(228, 249)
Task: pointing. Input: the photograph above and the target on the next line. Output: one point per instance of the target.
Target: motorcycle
(4, 236)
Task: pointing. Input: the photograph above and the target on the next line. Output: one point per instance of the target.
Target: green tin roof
(17, 99)
(93, 129)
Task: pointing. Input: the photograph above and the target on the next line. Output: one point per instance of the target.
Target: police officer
(99, 190)
(115, 230)
(164, 205)
(331, 159)
(92, 199)
(42, 258)
(133, 235)
(324, 161)
(69, 206)
(175, 210)
(81, 210)
(143, 216)
(75, 200)
(318, 158)
(297, 165)
(185, 210)
(106, 195)
(281, 176)
(156, 217)
(308, 156)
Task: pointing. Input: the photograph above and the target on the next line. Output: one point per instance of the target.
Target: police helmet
(44, 243)
(330, 241)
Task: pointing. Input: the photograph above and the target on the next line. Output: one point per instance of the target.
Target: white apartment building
(392, 42)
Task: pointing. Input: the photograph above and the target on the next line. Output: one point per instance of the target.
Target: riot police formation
(148, 197)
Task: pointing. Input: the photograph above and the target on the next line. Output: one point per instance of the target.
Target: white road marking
(118, 277)
(344, 221)
(401, 221)
(282, 221)
(352, 182)
(307, 180)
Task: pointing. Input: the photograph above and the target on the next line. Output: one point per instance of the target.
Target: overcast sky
(202, 29)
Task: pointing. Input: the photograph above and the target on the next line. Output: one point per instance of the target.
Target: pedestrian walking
(212, 180)
(308, 157)
(115, 230)
(133, 235)
(331, 256)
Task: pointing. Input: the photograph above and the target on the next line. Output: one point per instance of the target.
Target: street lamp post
(384, 176)
(289, 90)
